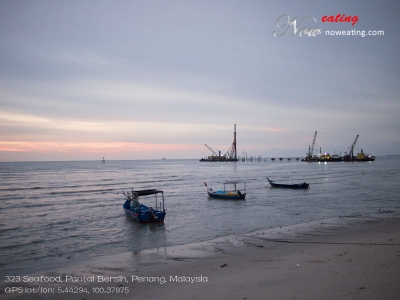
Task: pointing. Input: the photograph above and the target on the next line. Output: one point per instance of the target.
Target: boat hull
(227, 195)
(144, 214)
(289, 186)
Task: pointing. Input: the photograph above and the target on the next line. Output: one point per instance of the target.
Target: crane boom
(313, 143)
(352, 146)
(350, 154)
(211, 150)
(231, 152)
(311, 150)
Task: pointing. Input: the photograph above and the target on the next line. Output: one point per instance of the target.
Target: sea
(54, 214)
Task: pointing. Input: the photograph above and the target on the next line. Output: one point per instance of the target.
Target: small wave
(27, 205)
(14, 189)
(21, 245)
(62, 222)
(81, 191)
(3, 230)
(383, 211)
(7, 197)
(355, 215)
(113, 217)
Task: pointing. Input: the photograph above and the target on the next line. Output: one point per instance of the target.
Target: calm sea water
(58, 213)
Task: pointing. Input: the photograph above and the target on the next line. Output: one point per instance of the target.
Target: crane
(211, 150)
(231, 154)
(215, 157)
(311, 151)
(351, 154)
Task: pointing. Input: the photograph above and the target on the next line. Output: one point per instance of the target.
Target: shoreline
(352, 258)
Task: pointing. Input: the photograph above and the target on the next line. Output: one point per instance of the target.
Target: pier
(254, 159)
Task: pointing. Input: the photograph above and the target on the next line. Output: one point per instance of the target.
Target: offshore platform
(231, 154)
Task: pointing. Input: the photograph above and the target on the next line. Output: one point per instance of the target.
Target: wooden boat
(225, 194)
(142, 213)
(302, 185)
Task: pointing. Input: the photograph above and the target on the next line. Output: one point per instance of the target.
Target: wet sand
(356, 260)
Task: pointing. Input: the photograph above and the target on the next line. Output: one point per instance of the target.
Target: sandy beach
(354, 260)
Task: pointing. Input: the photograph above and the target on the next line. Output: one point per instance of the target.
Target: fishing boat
(302, 185)
(142, 213)
(227, 194)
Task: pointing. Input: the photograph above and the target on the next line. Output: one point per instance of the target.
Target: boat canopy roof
(147, 192)
(234, 183)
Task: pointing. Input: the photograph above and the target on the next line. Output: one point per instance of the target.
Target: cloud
(182, 73)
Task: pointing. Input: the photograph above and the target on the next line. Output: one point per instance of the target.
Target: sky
(82, 80)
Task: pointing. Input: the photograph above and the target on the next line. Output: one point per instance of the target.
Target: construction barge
(347, 157)
(230, 156)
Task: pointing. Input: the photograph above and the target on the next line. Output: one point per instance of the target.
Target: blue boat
(142, 213)
(302, 185)
(225, 194)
